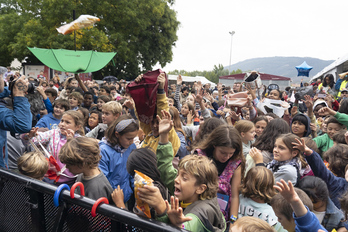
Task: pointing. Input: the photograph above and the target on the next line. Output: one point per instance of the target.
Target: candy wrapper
(140, 180)
(81, 22)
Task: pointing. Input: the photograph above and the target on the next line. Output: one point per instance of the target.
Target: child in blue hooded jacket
(115, 148)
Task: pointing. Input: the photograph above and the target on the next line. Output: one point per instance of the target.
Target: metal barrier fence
(28, 205)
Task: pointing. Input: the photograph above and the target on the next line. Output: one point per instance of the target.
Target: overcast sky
(263, 28)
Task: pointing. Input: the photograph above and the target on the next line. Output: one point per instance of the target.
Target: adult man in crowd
(19, 119)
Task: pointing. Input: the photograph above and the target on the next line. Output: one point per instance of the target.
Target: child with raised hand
(256, 192)
(336, 181)
(115, 148)
(195, 184)
(81, 156)
(287, 162)
(336, 122)
(71, 125)
(151, 130)
(305, 220)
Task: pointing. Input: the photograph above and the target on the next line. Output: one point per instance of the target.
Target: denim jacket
(333, 218)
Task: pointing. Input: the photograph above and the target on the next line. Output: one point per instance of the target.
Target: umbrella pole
(74, 17)
(83, 87)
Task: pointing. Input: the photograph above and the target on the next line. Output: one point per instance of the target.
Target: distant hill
(282, 66)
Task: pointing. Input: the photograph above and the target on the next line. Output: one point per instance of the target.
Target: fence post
(37, 208)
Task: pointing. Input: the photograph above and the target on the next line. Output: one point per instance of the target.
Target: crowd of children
(270, 163)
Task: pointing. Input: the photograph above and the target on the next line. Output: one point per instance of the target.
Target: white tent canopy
(192, 79)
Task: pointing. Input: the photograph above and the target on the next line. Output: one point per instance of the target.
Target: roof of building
(343, 60)
(263, 76)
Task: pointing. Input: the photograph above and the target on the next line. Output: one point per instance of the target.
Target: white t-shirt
(320, 215)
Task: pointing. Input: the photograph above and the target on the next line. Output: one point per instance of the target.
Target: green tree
(141, 32)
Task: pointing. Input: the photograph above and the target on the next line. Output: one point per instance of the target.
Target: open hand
(33, 132)
(209, 97)
(287, 191)
(299, 145)
(219, 87)
(175, 213)
(165, 124)
(294, 111)
(256, 155)
(235, 116)
(308, 102)
(199, 96)
(69, 133)
(179, 80)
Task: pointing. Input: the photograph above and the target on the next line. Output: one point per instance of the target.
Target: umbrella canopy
(303, 69)
(110, 79)
(73, 61)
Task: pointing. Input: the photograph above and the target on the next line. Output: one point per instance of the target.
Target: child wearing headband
(115, 148)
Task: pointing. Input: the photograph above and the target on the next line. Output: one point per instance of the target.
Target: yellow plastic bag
(140, 180)
(81, 22)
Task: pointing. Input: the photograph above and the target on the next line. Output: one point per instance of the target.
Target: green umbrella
(73, 61)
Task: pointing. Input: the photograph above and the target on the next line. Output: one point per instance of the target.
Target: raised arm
(83, 87)
(19, 119)
(165, 152)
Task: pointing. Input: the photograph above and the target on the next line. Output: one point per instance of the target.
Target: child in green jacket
(335, 123)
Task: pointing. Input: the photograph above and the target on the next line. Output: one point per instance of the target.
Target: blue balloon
(303, 69)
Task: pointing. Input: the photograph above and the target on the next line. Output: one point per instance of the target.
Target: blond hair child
(251, 224)
(33, 164)
(110, 112)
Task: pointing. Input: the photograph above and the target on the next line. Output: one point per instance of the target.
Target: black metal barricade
(27, 205)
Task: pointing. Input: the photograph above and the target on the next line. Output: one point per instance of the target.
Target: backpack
(144, 94)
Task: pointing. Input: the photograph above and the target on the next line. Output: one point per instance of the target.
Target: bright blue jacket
(18, 120)
(309, 222)
(47, 121)
(113, 164)
(48, 105)
(336, 185)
